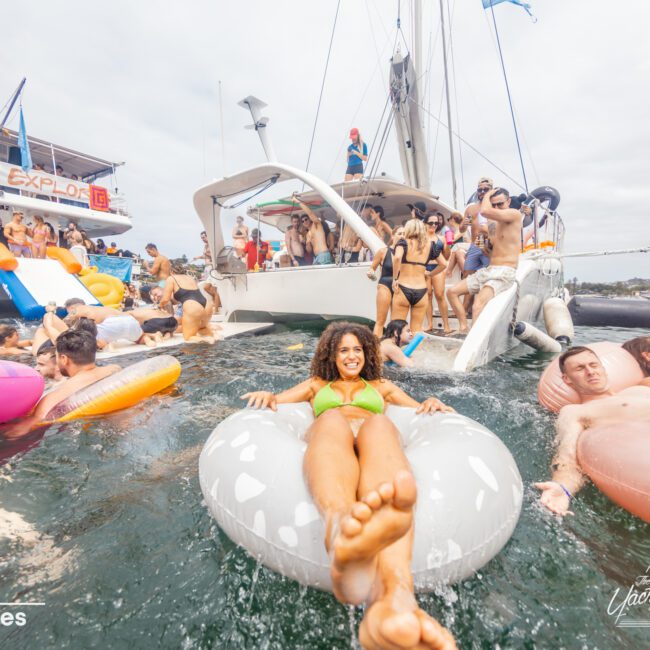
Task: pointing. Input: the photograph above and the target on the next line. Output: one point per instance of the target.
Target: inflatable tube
(119, 391)
(534, 337)
(470, 492)
(622, 369)
(616, 459)
(610, 312)
(67, 260)
(8, 261)
(557, 320)
(547, 193)
(415, 341)
(20, 389)
(106, 288)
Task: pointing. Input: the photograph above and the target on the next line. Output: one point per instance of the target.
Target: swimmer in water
(397, 335)
(362, 484)
(10, 343)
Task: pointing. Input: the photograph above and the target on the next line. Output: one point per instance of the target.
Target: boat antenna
(12, 101)
(512, 112)
(449, 124)
(223, 142)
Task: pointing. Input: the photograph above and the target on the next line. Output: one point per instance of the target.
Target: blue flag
(521, 3)
(25, 153)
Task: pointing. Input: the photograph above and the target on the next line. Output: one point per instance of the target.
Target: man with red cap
(357, 155)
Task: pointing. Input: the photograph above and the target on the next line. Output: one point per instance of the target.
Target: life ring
(20, 389)
(470, 492)
(616, 459)
(119, 391)
(106, 288)
(8, 261)
(547, 193)
(67, 260)
(622, 370)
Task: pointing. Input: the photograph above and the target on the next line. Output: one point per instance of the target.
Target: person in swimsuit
(40, 238)
(397, 335)
(155, 321)
(239, 236)
(410, 259)
(10, 343)
(16, 233)
(385, 283)
(362, 484)
(197, 309)
(160, 268)
(436, 283)
(357, 155)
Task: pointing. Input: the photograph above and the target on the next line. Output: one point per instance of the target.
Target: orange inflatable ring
(622, 370)
(616, 459)
(69, 262)
(106, 288)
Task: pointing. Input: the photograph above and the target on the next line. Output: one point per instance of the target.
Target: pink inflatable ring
(20, 388)
(622, 371)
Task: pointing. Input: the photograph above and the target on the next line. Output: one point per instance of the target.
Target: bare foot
(396, 621)
(381, 518)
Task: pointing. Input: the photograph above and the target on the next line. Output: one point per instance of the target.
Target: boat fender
(534, 337)
(616, 459)
(558, 321)
(125, 388)
(547, 193)
(469, 487)
(8, 261)
(20, 389)
(622, 370)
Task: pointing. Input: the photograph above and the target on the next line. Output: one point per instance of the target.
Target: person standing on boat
(362, 485)
(16, 233)
(505, 236)
(256, 251)
(316, 237)
(295, 242)
(436, 283)
(207, 255)
(160, 268)
(40, 237)
(476, 257)
(357, 155)
(239, 236)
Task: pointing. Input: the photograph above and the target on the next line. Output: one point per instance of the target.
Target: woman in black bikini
(436, 283)
(410, 259)
(197, 309)
(385, 284)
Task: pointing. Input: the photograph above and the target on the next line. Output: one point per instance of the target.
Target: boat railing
(545, 232)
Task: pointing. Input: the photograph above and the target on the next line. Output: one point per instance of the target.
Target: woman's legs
(429, 305)
(439, 292)
(400, 306)
(418, 311)
(383, 306)
(39, 250)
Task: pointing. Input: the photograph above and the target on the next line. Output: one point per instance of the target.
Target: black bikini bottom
(388, 283)
(413, 295)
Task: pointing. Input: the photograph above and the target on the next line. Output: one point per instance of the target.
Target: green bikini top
(368, 399)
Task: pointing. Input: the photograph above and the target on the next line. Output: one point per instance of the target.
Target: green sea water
(103, 521)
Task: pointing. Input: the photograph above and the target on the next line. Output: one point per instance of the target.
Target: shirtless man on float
(16, 233)
(505, 237)
(316, 240)
(160, 268)
(583, 371)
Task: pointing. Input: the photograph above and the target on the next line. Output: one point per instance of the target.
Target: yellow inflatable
(106, 288)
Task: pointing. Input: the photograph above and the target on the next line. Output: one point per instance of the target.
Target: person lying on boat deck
(410, 259)
(112, 325)
(197, 309)
(75, 357)
(16, 233)
(256, 250)
(295, 242)
(155, 321)
(362, 484)
(582, 370)
(384, 257)
(505, 236)
(52, 327)
(397, 335)
(316, 236)
(160, 267)
(10, 343)
(639, 348)
(357, 155)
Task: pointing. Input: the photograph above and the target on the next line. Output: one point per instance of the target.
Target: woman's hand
(261, 399)
(371, 275)
(433, 404)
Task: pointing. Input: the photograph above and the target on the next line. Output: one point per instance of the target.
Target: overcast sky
(138, 82)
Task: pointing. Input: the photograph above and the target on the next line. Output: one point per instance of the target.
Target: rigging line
(322, 87)
(512, 112)
(450, 16)
(473, 148)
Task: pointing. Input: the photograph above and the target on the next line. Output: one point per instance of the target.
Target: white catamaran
(343, 291)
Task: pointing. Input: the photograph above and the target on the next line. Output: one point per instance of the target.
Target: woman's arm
(261, 399)
(397, 263)
(376, 261)
(396, 354)
(167, 292)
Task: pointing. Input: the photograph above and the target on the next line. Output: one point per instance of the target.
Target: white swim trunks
(499, 278)
(119, 327)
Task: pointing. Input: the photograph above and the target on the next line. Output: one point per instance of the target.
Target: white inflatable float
(469, 492)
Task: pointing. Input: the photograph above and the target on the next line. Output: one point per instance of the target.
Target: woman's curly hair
(323, 364)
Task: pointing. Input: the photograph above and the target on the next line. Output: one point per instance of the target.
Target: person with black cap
(418, 210)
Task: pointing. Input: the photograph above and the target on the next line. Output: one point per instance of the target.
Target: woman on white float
(362, 484)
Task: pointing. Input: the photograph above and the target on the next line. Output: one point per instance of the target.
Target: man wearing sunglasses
(505, 236)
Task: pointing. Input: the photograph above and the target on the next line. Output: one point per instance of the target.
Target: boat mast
(14, 98)
(449, 127)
